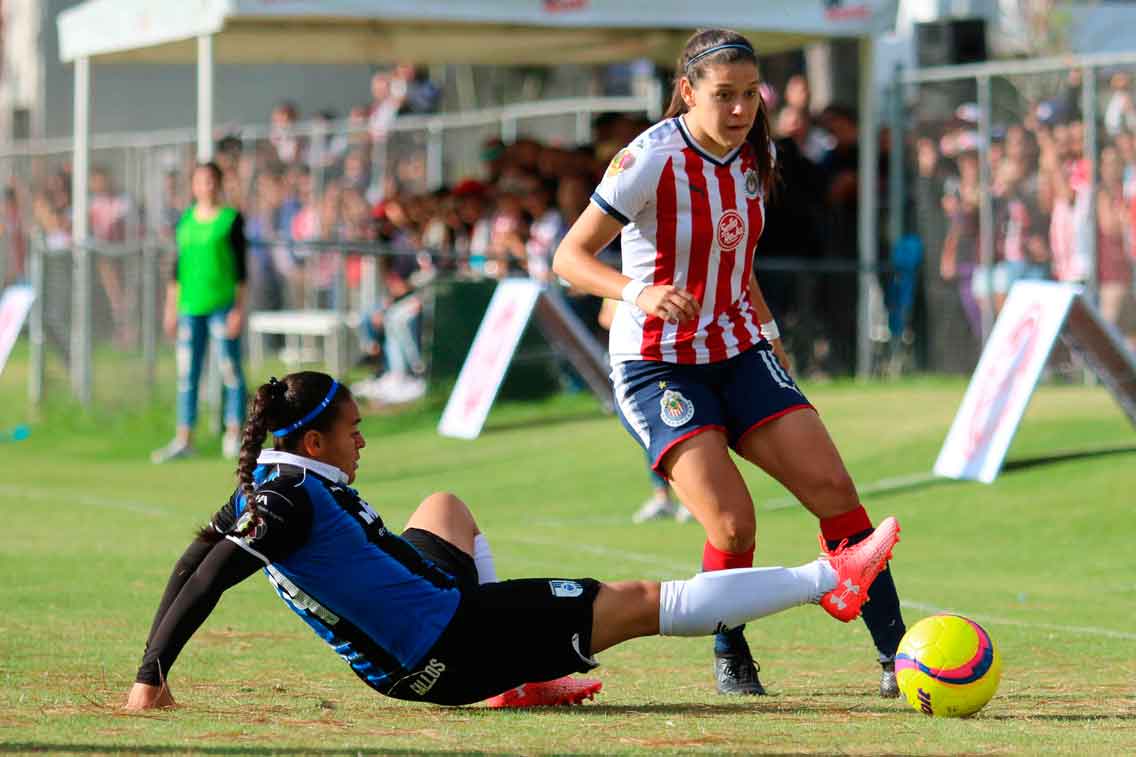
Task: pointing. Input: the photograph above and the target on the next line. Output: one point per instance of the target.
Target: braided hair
(279, 404)
(692, 64)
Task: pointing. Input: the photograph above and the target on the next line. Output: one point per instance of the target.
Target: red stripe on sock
(715, 559)
(846, 524)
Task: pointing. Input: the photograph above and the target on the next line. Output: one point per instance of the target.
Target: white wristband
(769, 330)
(631, 292)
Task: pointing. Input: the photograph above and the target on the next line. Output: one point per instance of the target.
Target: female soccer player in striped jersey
(697, 362)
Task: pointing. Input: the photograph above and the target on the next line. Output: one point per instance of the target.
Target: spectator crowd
(316, 185)
(1041, 187)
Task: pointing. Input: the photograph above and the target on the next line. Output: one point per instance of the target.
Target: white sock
(483, 559)
(728, 598)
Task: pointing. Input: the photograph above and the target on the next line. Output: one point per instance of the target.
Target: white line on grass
(882, 486)
(26, 492)
(663, 568)
(1077, 630)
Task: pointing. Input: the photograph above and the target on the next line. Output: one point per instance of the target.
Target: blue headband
(718, 49)
(311, 416)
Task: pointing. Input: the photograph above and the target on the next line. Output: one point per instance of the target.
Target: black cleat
(737, 674)
(889, 688)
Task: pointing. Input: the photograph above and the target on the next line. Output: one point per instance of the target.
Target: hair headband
(718, 49)
(311, 416)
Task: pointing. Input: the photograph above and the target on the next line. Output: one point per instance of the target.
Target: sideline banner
(1031, 320)
(489, 358)
(15, 304)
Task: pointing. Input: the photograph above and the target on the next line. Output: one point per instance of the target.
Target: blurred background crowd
(320, 180)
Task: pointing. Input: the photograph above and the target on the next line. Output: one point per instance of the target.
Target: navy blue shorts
(662, 404)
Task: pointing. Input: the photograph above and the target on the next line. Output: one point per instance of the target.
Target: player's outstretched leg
(727, 598)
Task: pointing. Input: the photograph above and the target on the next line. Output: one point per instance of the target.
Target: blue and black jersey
(407, 627)
(364, 590)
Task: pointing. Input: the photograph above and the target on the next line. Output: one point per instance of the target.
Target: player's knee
(446, 501)
(447, 505)
(734, 533)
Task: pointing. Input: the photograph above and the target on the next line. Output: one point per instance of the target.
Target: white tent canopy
(444, 31)
(506, 32)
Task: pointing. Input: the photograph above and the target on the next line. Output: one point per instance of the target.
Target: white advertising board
(489, 357)
(15, 304)
(1004, 380)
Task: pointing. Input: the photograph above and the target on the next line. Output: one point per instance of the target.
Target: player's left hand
(143, 696)
(782, 356)
(234, 322)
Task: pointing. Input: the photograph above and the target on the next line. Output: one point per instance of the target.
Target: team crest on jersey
(674, 409)
(623, 160)
(752, 184)
(731, 230)
(566, 589)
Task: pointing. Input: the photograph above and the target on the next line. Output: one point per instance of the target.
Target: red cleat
(566, 690)
(856, 567)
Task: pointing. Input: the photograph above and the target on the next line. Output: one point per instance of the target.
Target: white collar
(277, 457)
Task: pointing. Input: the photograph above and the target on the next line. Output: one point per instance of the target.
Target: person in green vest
(205, 300)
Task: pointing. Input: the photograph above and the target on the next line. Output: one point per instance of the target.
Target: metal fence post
(583, 127)
(1089, 117)
(35, 324)
(435, 162)
(896, 163)
(81, 327)
(508, 128)
(867, 242)
(340, 360)
(150, 315)
(986, 205)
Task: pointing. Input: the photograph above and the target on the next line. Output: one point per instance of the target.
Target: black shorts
(502, 635)
(454, 560)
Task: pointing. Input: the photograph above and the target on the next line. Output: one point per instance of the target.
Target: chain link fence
(1016, 171)
(308, 191)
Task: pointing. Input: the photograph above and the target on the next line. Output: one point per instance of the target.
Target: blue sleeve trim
(606, 207)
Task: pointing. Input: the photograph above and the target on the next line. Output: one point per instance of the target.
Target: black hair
(275, 405)
(692, 64)
(213, 168)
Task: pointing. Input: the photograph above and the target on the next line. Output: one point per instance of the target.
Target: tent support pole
(205, 98)
(81, 378)
(868, 218)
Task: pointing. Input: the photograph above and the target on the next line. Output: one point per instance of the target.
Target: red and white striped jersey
(691, 220)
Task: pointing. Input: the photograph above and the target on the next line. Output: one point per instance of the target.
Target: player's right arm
(208, 569)
(627, 189)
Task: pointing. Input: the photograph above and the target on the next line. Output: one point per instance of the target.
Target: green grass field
(1043, 558)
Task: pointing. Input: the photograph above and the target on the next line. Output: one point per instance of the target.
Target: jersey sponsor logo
(752, 184)
(675, 409)
(368, 515)
(428, 677)
(731, 230)
(297, 597)
(623, 160)
(566, 589)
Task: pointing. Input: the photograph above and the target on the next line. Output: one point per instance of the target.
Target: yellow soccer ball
(947, 666)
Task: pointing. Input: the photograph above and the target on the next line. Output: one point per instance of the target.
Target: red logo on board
(731, 230)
